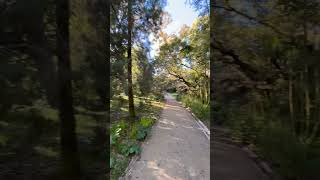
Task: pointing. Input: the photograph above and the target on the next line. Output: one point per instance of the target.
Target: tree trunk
(291, 106)
(130, 90)
(300, 104)
(69, 150)
(307, 100)
(100, 9)
(43, 57)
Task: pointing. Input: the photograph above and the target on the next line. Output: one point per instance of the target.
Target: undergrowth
(289, 155)
(200, 109)
(125, 141)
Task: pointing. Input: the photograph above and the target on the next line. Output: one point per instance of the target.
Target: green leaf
(146, 122)
(134, 149)
(112, 162)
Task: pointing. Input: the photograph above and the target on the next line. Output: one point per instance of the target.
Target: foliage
(293, 156)
(146, 122)
(266, 79)
(183, 61)
(202, 111)
(129, 149)
(125, 138)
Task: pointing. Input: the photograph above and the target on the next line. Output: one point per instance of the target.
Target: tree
(69, 148)
(186, 58)
(129, 71)
(145, 72)
(131, 24)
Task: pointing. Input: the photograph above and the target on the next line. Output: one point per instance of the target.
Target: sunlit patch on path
(177, 149)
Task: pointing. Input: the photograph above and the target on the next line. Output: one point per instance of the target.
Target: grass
(126, 136)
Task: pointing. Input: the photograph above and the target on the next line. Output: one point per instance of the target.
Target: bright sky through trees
(181, 13)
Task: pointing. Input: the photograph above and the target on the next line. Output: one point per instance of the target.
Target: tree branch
(249, 71)
(231, 9)
(182, 79)
(202, 74)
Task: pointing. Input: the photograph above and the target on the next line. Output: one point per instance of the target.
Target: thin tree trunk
(306, 84)
(301, 105)
(291, 106)
(69, 150)
(307, 100)
(130, 90)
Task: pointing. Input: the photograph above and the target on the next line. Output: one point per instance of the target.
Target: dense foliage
(183, 60)
(53, 88)
(266, 79)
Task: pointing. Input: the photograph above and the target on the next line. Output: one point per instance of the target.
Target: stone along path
(177, 148)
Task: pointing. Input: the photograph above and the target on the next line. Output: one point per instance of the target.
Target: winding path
(176, 150)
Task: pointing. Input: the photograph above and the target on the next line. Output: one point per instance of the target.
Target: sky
(181, 14)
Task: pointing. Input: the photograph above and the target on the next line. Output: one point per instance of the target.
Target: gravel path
(179, 150)
(231, 163)
(176, 150)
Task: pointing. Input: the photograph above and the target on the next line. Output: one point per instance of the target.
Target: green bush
(116, 131)
(247, 128)
(178, 97)
(130, 148)
(124, 141)
(146, 122)
(202, 111)
(295, 160)
(142, 133)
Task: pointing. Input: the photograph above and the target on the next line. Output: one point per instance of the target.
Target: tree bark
(291, 106)
(307, 100)
(130, 90)
(69, 150)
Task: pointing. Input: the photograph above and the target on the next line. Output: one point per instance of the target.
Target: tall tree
(69, 149)
(129, 76)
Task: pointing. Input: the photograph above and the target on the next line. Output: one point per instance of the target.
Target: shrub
(202, 111)
(146, 122)
(142, 133)
(294, 159)
(130, 148)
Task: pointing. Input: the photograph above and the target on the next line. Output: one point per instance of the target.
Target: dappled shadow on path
(176, 150)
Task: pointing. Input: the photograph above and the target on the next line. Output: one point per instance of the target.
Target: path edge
(202, 126)
(261, 164)
(135, 158)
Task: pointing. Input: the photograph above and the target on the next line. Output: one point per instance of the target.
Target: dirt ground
(177, 148)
